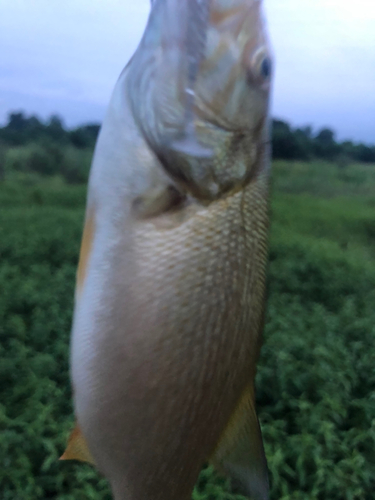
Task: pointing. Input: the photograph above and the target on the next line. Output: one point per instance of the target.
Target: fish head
(235, 75)
(206, 81)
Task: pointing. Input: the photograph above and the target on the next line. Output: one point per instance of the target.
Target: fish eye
(266, 68)
(260, 68)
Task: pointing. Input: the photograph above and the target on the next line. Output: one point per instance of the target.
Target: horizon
(293, 127)
(64, 59)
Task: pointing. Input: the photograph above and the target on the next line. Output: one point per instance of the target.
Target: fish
(171, 281)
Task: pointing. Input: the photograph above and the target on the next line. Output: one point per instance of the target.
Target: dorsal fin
(76, 448)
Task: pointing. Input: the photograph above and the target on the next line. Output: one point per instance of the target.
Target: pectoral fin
(86, 247)
(77, 448)
(240, 452)
(158, 199)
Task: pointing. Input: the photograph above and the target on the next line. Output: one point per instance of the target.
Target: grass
(316, 378)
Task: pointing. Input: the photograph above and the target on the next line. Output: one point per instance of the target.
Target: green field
(316, 378)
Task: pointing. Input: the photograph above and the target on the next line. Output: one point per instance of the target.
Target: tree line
(48, 147)
(28, 144)
(303, 144)
(21, 130)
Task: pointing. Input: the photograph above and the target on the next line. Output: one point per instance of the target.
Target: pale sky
(64, 57)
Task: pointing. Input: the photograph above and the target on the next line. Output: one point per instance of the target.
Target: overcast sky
(65, 56)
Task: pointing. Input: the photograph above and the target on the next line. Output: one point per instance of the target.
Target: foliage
(289, 144)
(303, 144)
(49, 159)
(21, 130)
(29, 134)
(29, 145)
(316, 379)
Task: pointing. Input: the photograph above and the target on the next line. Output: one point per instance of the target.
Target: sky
(65, 57)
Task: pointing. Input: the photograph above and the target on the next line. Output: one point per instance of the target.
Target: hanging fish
(170, 292)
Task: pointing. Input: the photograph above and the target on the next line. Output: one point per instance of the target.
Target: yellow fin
(86, 247)
(240, 452)
(77, 448)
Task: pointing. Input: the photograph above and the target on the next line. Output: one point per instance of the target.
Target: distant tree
(283, 140)
(21, 130)
(34, 128)
(55, 122)
(325, 145)
(303, 143)
(17, 122)
(85, 136)
(14, 131)
(55, 129)
(291, 145)
(365, 154)
(348, 148)
(307, 131)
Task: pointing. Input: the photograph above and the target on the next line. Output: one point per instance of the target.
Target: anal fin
(240, 453)
(77, 448)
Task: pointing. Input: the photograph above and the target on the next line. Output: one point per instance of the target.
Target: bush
(76, 165)
(41, 159)
(47, 159)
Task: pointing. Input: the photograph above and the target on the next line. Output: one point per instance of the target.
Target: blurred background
(316, 382)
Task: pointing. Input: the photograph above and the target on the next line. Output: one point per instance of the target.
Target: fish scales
(191, 304)
(170, 294)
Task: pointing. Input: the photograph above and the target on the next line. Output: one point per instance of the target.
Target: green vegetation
(304, 144)
(30, 146)
(316, 380)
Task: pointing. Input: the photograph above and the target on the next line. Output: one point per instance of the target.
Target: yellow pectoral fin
(240, 452)
(86, 246)
(77, 448)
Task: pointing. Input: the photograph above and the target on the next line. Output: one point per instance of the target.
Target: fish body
(170, 292)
